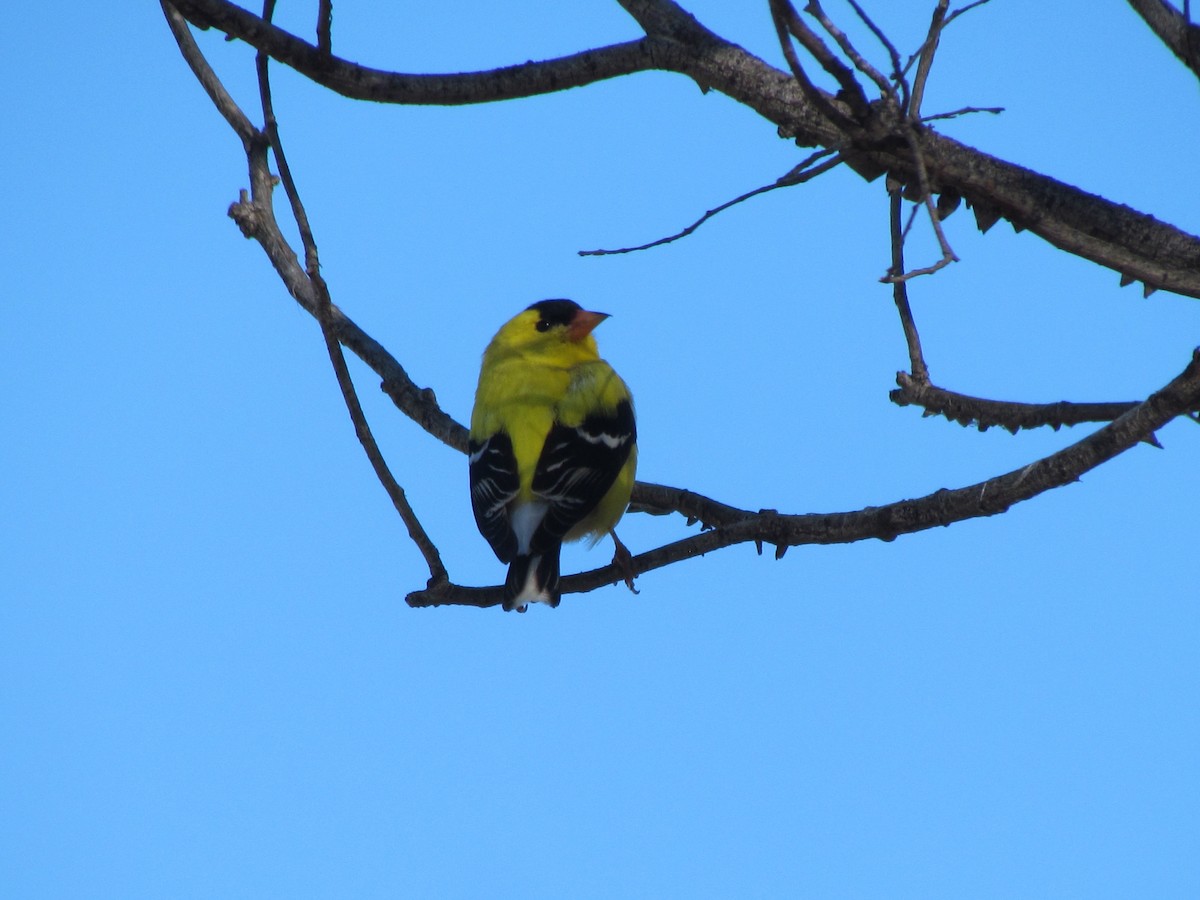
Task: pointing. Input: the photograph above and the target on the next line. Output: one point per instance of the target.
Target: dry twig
(324, 317)
(814, 9)
(916, 358)
(798, 174)
(788, 25)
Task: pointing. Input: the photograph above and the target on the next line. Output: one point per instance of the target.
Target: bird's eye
(542, 325)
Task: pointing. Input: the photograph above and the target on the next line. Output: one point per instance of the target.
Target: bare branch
(814, 9)
(946, 259)
(788, 24)
(943, 507)
(419, 404)
(325, 27)
(683, 45)
(1173, 28)
(909, 129)
(852, 92)
(893, 53)
(916, 359)
(928, 49)
(660, 499)
(797, 175)
(966, 110)
(416, 531)
(220, 97)
(961, 10)
(926, 199)
(948, 255)
(950, 18)
(985, 414)
(363, 83)
(1072, 220)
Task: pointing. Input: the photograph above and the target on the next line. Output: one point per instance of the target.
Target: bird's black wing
(577, 467)
(494, 483)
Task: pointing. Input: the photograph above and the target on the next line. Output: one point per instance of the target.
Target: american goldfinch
(553, 445)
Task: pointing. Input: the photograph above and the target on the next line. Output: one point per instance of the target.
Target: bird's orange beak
(583, 323)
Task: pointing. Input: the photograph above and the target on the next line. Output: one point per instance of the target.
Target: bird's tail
(532, 579)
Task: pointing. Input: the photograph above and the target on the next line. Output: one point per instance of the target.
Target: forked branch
(1107, 233)
(672, 41)
(944, 507)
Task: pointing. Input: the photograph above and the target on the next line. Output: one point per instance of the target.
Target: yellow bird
(553, 445)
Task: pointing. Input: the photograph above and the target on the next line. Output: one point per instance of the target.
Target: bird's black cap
(556, 312)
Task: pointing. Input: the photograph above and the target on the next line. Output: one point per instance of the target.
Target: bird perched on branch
(553, 446)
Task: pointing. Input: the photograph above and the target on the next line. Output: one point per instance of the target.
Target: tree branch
(312, 266)
(814, 9)
(325, 27)
(789, 25)
(893, 54)
(943, 507)
(798, 174)
(916, 358)
(254, 215)
(220, 97)
(1132, 243)
(364, 83)
(1173, 29)
(678, 43)
(925, 59)
(984, 414)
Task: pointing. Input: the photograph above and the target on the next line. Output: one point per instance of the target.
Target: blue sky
(209, 682)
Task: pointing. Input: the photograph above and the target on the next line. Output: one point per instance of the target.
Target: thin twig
(924, 270)
(916, 358)
(788, 24)
(208, 79)
(966, 110)
(325, 27)
(948, 255)
(926, 200)
(928, 49)
(962, 9)
(950, 18)
(912, 217)
(828, 60)
(893, 53)
(797, 175)
(912, 136)
(254, 141)
(814, 9)
(437, 571)
(255, 216)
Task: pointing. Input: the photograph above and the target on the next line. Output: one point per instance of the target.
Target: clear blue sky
(210, 685)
